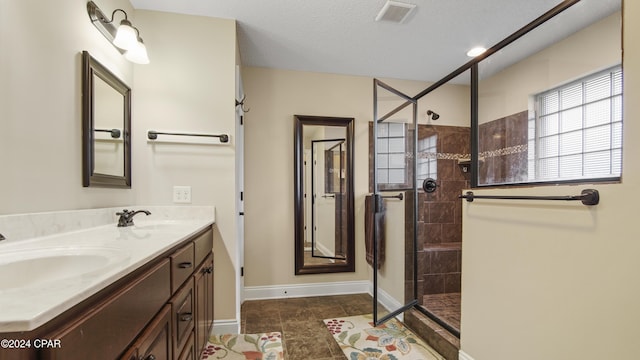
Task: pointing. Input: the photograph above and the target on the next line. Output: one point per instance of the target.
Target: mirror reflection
(324, 194)
(327, 240)
(106, 112)
(553, 110)
(108, 117)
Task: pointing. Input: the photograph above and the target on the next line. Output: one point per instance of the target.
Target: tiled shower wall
(502, 146)
(440, 213)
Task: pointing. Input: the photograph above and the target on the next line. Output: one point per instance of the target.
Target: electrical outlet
(182, 194)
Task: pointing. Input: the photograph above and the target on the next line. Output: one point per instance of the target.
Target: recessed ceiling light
(395, 11)
(476, 51)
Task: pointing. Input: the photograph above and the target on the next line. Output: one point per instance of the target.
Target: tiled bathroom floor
(300, 322)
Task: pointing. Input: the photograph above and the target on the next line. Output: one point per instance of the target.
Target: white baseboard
(464, 356)
(231, 326)
(305, 290)
(387, 301)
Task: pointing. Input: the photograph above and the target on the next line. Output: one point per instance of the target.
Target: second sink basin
(30, 267)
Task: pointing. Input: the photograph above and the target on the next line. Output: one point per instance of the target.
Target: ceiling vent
(395, 11)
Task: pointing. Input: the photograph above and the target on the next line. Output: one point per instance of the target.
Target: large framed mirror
(323, 193)
(106, 124)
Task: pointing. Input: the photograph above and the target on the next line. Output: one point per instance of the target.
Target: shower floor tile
(445, 306)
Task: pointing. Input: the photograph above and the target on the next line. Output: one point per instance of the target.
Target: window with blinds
(577, 130)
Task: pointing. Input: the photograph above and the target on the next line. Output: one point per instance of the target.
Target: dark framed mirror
(106, 124)
(323, 193)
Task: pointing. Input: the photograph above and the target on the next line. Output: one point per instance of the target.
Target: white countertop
(26, 308)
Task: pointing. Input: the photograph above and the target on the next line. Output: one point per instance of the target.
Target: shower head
(434, 116)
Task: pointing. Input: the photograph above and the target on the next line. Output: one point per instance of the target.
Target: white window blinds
(577, 131)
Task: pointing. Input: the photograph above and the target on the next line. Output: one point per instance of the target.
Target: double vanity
(74, 285)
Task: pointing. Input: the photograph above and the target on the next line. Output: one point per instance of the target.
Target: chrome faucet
(126, 217)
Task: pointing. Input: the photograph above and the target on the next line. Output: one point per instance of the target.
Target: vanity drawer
(182, 310)
(203, 245)
(182, 266)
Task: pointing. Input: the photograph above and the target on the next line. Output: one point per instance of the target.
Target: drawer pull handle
(186, 317)
(150, 357)
(185, 265)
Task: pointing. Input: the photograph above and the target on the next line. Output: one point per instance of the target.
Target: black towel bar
(152, 135)
(115, 133)
(587, 196)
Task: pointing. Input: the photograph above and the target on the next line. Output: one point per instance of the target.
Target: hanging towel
(370, 217)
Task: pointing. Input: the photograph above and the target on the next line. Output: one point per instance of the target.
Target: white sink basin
(32, 267)
(160, 226)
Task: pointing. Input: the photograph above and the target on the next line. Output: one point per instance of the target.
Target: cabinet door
(189, 351)
(155, 341)
(209, 303)
(204, 302)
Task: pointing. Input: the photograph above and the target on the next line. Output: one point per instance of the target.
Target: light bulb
(126, 37)
(138, 53)
(476, 51)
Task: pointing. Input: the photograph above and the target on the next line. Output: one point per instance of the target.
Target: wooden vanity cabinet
(156, 312)
(105, 330)
(191, 302)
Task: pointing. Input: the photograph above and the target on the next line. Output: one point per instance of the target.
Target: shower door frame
(376, 194)
(471, 65)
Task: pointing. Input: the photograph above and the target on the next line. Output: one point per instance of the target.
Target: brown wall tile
(434, 284)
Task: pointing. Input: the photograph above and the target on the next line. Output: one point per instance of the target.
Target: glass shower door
(391, 209)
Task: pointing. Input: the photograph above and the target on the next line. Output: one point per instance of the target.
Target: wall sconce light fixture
(125, 37)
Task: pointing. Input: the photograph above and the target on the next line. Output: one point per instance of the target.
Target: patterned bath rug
(267, 346)
(360, 340)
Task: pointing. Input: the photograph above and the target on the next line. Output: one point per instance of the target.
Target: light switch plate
(182, 194)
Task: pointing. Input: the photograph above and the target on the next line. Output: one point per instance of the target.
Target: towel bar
(587, 196)
(153, 135)
(399, 196)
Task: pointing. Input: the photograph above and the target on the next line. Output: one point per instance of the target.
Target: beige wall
(594, 48)
(558, 281)
(391, 274)
(40, 104)
(274, 96)
(188, 86)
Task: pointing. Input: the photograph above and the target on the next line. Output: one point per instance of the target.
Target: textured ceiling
(341, 36)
